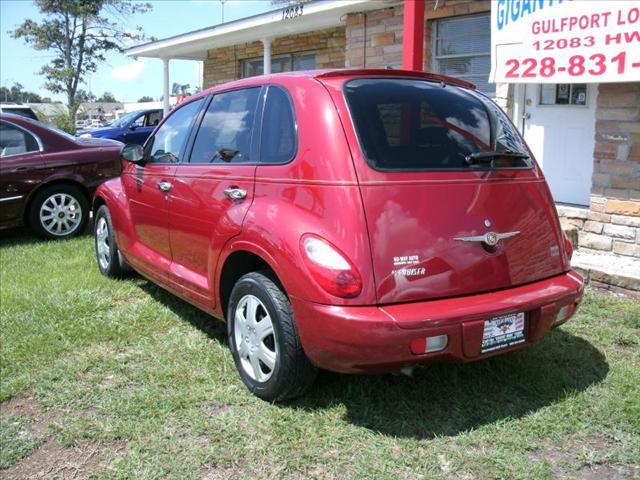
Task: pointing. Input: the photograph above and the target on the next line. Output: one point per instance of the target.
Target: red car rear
(358, 221)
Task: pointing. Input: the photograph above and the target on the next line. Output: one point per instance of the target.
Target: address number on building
(292, 12)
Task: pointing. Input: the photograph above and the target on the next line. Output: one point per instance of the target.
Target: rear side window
(417, 125)
(15, 141)
(278, 142)
(225, 132)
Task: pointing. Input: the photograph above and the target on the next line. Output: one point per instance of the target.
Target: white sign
(564, 41)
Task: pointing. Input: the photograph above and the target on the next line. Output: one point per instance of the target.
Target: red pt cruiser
(352, 220)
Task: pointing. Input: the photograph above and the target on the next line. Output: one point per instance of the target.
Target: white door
(559, 126)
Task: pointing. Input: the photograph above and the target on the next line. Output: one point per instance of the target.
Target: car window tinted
(225, 132)
(153, 119)
(414, 125)
(168, 142)
(15, 141)
(278, 142)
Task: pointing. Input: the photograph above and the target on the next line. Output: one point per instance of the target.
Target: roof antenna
(442, 84)
(388, 67)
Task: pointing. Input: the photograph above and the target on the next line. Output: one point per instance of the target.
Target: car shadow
(18, 236)
(445, 399)
(210, 326)
(441, 399)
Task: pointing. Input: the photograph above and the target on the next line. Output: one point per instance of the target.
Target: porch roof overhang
(316, 15)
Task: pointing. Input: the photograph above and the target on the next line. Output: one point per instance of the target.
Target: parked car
(133, 127)
(351, 220)
(47, 177)
(18, 109)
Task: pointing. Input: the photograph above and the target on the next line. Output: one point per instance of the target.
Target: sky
(127, 79)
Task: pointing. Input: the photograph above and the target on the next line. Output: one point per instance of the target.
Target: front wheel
(110, 261)
(264, 340)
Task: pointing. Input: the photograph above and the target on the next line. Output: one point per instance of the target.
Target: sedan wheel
(59, 211)
(60, 214)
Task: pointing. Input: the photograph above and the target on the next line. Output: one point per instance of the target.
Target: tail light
(330, 268)
(568, 247)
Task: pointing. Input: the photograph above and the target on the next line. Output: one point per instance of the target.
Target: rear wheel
(110, 261)
(264, 340)
(59, 211)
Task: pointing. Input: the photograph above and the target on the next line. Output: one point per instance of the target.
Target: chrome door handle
(235, 193)
(164, 186)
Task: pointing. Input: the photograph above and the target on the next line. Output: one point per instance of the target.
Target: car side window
(279, 140)
(138, 122)
(15, 141)
(169, 140)
(152, 119)
(225, 132)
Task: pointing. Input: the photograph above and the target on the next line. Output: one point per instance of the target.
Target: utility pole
(222, 3)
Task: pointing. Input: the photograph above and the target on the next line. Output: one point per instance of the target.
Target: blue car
(133, 127)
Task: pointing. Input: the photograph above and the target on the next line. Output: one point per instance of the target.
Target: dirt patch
(29, 407)
(562, 458)
(52, 460)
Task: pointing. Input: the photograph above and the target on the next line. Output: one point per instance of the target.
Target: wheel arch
(58, 181)
(243, 258)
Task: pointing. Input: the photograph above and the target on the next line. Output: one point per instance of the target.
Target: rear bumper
(378, 339)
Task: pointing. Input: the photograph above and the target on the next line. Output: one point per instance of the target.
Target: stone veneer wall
(224, 64)
(612, 223)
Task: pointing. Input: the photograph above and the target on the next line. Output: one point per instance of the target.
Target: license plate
(503, 332)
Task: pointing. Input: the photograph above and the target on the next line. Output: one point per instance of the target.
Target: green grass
(123, 362)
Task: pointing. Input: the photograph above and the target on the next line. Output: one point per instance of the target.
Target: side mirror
(133, 153)
(133, 126)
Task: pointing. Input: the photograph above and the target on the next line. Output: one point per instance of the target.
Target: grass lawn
(120, 379)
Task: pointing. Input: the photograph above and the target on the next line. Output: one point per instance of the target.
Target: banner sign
(565, 41)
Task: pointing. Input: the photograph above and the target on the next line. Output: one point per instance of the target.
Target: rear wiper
(487, 157)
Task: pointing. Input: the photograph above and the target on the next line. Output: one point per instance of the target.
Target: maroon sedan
(47, 177)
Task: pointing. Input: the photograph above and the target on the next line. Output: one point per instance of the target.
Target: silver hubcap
(102, 243)
(255, 338)
(60, 214)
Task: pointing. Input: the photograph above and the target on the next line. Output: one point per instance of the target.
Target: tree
(107, 97)
(144, 99)
(178, 89)
(79, 33)
(84, 97)
(18, 94)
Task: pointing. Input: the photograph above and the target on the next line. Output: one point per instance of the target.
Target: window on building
(280, 63)
(563, 94)
(462, 49)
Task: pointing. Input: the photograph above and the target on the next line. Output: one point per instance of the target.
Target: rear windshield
(417, 125)
(23, 112)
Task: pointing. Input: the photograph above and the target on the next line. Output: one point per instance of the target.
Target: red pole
(413, 40)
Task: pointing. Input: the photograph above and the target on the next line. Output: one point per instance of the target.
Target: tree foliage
(107, 97)
(79, 33)
(18, 94)
(144, 99)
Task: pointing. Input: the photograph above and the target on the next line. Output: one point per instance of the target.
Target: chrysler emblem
(490, 239)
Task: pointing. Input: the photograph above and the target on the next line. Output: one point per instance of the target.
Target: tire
(109, 259)
(59, 211)
(291, 373)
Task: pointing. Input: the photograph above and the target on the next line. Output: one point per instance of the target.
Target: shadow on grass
(210, 326)
(445, 399)
(442, 399)
(18, 236)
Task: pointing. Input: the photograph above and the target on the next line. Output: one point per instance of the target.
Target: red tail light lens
(330, 268)
(568, 247)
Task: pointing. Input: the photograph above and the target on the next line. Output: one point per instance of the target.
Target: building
(585, 135)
